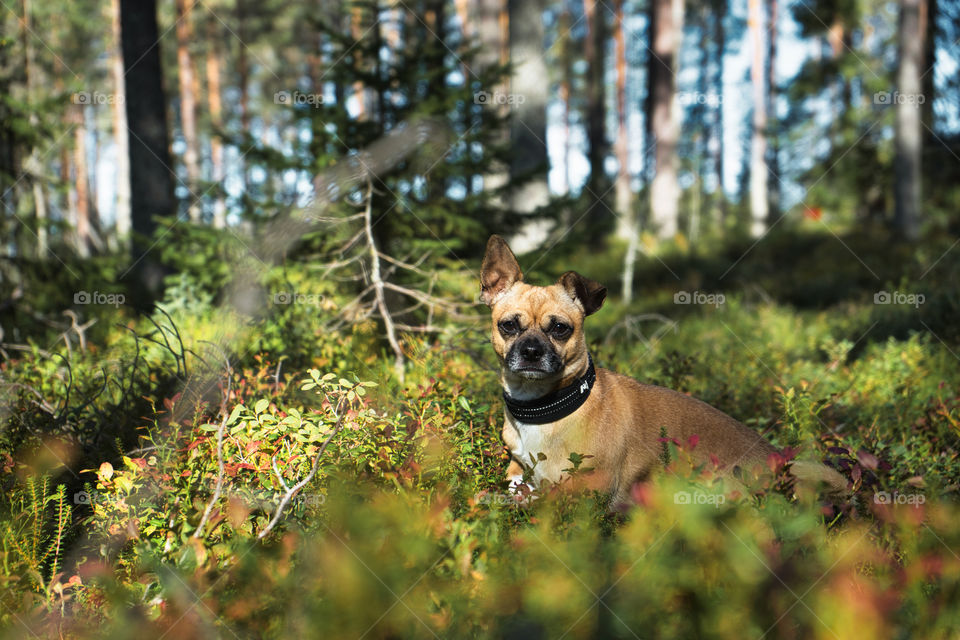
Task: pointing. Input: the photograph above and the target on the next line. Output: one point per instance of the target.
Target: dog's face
(537, 331)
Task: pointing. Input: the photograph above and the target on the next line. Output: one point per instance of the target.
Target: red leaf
(868, 460)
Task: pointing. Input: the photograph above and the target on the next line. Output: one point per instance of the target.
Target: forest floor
(133, 509)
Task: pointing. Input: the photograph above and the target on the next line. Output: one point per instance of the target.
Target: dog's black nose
(531, 350)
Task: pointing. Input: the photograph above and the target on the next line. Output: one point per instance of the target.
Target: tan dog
(557, 403)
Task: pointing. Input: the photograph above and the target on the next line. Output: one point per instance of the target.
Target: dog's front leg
(515, 474)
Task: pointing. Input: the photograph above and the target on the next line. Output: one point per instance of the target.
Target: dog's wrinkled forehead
(536, 302)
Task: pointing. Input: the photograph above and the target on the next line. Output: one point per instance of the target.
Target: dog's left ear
(500, 270)
(590, 293)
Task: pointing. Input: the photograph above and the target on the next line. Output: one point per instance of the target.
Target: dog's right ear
(500, 270)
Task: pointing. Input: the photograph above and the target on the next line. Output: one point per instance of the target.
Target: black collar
(556, 405)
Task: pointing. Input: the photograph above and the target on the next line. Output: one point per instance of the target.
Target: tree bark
(566, 77)
(623, 195)
(493, 19)
(909, 131)
(666, 29)
(33, 165)
(151, 181)
(120, 136)
(529, 93)
(759, 205)
(188, 106)
(720, 41)
(773, 179)
(597, 144)
(215, 104)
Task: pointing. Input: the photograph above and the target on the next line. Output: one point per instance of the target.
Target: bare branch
(379, 284)
(290, 492)
(218, 489)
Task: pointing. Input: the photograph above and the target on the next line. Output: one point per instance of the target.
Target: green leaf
(261, 405)
(463, 403)
(235, 414)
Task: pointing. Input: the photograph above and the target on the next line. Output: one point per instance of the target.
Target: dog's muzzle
(533, 357)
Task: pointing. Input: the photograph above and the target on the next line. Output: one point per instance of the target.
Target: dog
(558, 403)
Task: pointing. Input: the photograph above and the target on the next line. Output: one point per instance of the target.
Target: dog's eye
(560, 330)
(508, 327)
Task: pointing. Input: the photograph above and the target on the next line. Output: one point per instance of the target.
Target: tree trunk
(909, 128)
(929, 73)
(243, 81)
(528, 122)
(188, 106)
(82, 182)
(120, 136)
(566, 77)
(360, 94)
(493, 19)
(597, 144)
(34, 166)
(759, 205)
(215, 104)
(773, 180)
(666, 29)
(151, 182)
(623, 195)
(720, 41)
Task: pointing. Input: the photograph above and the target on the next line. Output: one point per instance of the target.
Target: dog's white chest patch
(532, 440)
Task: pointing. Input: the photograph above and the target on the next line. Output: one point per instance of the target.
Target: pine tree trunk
(666, 24)
(623, 195)
(909, 131)
(929, 72)
(66, 178)
(243, 82)
(773, 180)
(566, 76)
(493, 19)
(720, 41)
(151, 184)
(528, 123)
(357, 30)
(215, 104)
(597, 144)
(188, 106)
(33, 165)
(759, 205)
(121, 141)
(82, 184)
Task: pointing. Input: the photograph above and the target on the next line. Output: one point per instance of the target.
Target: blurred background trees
(650, 125)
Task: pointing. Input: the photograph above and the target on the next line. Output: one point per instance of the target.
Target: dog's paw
(523, 492)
